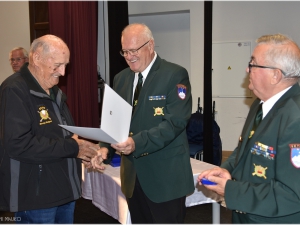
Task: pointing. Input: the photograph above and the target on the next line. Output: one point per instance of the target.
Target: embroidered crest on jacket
(158, 111)
(45, 118)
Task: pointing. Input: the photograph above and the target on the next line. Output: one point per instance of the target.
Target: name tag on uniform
(157, 97)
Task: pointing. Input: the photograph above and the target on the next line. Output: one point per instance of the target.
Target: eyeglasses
(125, 53)
(264, 67)
(16, 59)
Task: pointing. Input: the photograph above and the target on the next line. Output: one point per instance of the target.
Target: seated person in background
(17, 57)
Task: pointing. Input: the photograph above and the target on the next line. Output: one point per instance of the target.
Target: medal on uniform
(259, 171)
(158, 111)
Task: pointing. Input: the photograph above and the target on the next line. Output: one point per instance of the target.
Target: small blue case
(116, 160)
(207, 182)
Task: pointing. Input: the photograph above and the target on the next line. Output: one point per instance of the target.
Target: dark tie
(137, 91)
(257, 119)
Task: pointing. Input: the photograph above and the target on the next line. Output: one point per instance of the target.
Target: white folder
(115, 120)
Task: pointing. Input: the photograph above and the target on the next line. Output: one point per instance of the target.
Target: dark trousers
(143, 210)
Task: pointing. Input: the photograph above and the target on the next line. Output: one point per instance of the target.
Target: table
(104, 189)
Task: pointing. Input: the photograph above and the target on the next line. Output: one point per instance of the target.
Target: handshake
(91, 154)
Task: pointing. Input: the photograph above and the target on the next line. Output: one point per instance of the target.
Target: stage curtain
(76, 23)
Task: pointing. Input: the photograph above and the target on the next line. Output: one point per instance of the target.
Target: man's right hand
(87, 150)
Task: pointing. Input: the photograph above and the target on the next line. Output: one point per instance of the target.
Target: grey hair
(285, 54)
(25, 53)
(146, 30)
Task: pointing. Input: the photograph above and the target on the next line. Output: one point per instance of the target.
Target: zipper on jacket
(39, 178)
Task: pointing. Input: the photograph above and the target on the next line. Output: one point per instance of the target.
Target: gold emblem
(158, 111)
(45, 118)
(135, 102)
(251, 133)
(259, 171)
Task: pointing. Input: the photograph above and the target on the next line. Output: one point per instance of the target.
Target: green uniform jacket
(161, 159)
(266, 168)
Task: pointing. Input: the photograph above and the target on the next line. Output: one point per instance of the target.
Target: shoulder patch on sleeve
(181, 91)
(295, 155)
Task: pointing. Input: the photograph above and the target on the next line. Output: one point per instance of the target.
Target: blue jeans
(59, 214)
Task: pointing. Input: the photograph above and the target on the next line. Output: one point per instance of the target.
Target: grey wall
(243, 21)
(172, 35)
(14, 28)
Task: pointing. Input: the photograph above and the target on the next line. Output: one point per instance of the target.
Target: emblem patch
(158, 111)
(181, 90)
(45, 118)
(295, 155)
(251, 134)
(259, 171)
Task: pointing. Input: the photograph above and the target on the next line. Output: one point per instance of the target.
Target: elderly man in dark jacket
(40, 166)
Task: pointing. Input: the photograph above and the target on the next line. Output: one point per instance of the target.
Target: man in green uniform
(259, 181)
(156, 172)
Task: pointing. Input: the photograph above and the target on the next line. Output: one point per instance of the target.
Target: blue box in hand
(116, 160)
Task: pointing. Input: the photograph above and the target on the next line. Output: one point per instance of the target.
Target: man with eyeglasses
(260, 180)
(17, 57)
(156, 173)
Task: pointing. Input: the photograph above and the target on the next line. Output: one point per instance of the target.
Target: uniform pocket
(173, 151)
(262, 168)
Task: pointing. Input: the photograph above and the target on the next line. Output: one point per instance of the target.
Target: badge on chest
(45, 118)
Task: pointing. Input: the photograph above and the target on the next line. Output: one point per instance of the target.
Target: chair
(196, 151)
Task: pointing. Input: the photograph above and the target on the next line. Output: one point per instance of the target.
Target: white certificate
(115, 120)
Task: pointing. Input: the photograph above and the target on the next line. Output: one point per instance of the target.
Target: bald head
(138, 29)
(48, 58)
(48, 45)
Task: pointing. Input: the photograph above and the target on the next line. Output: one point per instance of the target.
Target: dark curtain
(76, 24)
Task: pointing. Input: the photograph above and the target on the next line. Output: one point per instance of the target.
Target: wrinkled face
(51, 65)
(17, 60)
(260, 78)
(144, 56)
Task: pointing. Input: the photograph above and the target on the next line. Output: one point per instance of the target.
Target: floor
(87, 213)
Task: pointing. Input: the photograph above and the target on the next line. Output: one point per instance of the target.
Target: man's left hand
(217, 175)
(126, 147)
